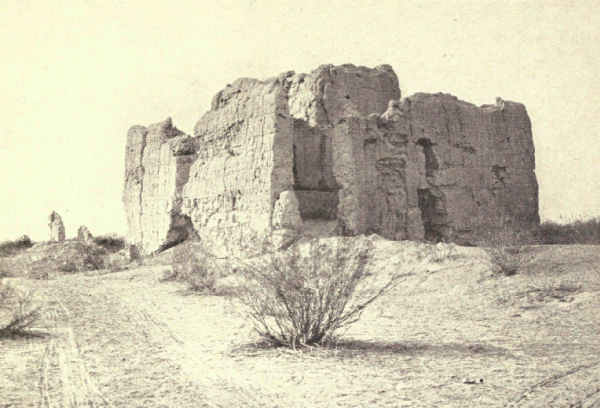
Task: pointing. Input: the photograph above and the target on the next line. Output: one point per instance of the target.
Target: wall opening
(181, 229)
(433, 215)
(314, 183)
(431, 162)
(430, 198)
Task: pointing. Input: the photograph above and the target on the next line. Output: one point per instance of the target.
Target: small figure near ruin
(84, 234)
(57, 228)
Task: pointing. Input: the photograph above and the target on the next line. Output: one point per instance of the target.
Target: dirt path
(127, 340)
(99, 353)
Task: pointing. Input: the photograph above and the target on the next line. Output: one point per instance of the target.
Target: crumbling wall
(338, 152)
(244, 149)
(319, 102)
(436, 168)
(57, 228)
(483, 175)
(158, 158)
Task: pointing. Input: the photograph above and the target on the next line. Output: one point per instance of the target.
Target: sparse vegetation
(9, 248)
(194, 266)
(17, 312)
(574, 232)
(111, 243)
(298, 299)
(504, 246)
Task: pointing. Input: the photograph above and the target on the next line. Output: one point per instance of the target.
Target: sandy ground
(127, 340)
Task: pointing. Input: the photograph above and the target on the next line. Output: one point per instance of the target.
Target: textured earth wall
(437, 168)
(335, 151)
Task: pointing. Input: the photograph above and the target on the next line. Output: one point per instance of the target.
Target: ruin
(333, 152)
(84, 234)
(57, 228)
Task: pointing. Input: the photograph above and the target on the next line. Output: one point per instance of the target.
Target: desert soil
(128, 340)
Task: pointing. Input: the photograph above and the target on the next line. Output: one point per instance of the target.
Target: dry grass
(573, 232)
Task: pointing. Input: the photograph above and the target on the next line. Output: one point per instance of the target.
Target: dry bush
(196, 267)
(17, 312)
(303, 295)
(112, 243)
(9, 248)
(506, 251)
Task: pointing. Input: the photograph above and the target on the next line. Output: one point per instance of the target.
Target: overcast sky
(75, 75)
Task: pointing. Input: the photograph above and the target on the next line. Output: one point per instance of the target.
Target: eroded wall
(437, 168)
(347, 159)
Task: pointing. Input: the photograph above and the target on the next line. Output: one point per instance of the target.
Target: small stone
(286, 213)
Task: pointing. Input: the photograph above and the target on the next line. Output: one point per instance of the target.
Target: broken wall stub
(338, 149)
(57, 228)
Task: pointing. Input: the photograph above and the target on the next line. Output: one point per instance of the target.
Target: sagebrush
(304, 295)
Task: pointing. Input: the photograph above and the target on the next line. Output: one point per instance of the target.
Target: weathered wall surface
(427, 166)
(434, 167)
(57, 228)
(244, 148)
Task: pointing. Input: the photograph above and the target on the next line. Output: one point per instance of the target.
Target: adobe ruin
(333, 152)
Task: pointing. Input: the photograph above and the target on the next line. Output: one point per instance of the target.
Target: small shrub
(196, 267)
(296, 299)
(111, 243)
(17, 313)
(68, 267)
(9, 248)
(505, 248)
(444, 252)
(506, 260)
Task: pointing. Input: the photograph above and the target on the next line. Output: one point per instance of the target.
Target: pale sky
(75, 75)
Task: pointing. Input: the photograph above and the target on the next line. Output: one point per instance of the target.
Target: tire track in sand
(566, 389)
(64, 377)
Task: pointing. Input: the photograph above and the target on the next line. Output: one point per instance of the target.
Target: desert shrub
(574, 232)
(505, 248)
(68, 267)
(111, 243)
(303, 295)
(444, 252)
(9, 248)
(196, 267)
(17, 312)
